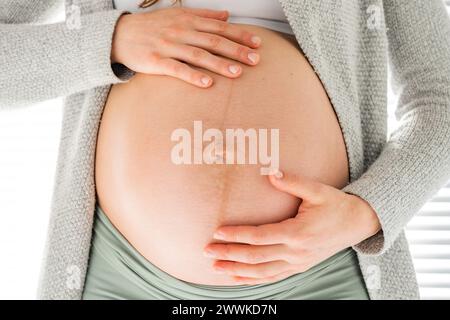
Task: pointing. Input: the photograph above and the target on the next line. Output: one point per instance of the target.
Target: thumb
(297, 185)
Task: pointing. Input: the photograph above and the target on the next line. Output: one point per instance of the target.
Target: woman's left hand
(328, 221)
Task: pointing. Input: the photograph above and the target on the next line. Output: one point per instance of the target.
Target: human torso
(169, 211)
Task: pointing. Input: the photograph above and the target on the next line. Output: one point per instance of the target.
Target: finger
(246, 253)
(255, 281)
(207, 13)
(298, 185)
(261, 270)
(182, 71)
(202, 58)
(222, 46)
(230, 31)
(267, 234)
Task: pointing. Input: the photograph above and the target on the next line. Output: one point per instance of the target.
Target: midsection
(169, 211)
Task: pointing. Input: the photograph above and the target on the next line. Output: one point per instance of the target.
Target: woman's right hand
(159, 42)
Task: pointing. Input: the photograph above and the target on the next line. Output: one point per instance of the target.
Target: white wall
(28, 148)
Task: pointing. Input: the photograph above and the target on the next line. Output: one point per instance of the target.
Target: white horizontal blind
(429, 237)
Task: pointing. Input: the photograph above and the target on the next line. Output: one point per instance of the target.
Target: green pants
(117, 271)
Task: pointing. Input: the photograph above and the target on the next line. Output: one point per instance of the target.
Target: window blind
(429, 237)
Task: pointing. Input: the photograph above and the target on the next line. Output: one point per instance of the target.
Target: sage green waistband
(118, 271)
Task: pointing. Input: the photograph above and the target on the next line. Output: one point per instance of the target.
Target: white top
(264, 13)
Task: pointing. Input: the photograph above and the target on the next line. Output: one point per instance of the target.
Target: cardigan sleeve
(415, 161)
(45, 61)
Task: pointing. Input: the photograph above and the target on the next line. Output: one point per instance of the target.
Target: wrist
(366, 217)
(119, 25)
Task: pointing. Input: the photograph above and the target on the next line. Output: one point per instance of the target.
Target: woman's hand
(328, 221)
(159, 42)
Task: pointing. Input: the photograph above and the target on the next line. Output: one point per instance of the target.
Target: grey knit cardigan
(348, 42)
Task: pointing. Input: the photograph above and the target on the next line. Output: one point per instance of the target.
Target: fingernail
(253, 57)
(234, 69)
(256, 40)
(206, 81)
(219, 235)
(278, 174)
(209, 254)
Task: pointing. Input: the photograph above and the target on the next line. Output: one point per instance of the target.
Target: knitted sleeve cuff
(97, 30)
(414, 164)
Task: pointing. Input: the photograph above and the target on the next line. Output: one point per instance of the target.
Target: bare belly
(169, 211)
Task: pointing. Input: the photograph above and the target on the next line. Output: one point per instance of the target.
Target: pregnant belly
(168, 206)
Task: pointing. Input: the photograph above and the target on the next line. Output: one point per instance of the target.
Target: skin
(171, 41)
(328, 221)
(168, 41)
